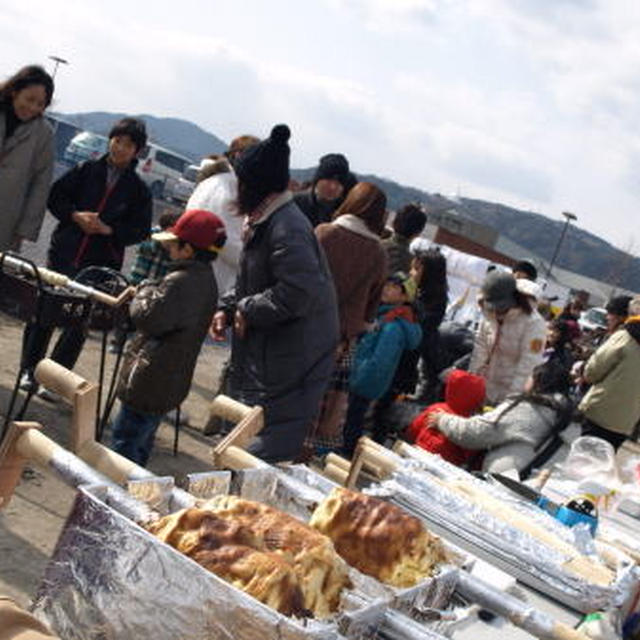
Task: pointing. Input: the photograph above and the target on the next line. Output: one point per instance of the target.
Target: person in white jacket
(218, 194)
(510, 339)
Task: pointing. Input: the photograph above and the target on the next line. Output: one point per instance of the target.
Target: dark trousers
(67, 349)
(354, 422)
(592, 429)
(381, 414)
(134, 433)
(429, 363)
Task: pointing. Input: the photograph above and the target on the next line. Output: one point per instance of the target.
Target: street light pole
(57, 62)
(569, 217)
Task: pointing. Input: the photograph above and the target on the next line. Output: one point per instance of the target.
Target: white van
(183, 189)
(86, 145)
(160, 168)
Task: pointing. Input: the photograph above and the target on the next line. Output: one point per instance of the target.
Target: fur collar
(357, 225)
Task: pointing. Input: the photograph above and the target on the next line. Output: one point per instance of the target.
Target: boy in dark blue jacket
(102, 206)
(378, 353)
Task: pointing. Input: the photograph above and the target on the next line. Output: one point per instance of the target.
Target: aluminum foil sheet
(513, 550)
(208, 483)
(154, 492)
(76, 472)
(279, 490)
(109, 579)
(309, 477)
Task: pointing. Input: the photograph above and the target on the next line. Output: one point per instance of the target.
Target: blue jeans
(134, 433)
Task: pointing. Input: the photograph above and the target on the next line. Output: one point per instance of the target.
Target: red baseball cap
(200, 228)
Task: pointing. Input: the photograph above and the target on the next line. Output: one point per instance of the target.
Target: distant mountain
(582, 252)
(182, 136)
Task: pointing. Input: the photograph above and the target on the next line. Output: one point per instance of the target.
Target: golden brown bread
(296, 568)
(265, 576)
(321, 572)
(378, 538)
(196, 529)
(231, 551)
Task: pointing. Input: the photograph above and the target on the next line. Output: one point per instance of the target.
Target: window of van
(171, 161)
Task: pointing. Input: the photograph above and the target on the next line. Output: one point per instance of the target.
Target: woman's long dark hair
(550, 379)
(433, 288)
(26, 77)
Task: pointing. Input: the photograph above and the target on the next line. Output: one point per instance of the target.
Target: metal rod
(103, 357)
(176, 433)
(60, 280)
(569, 217)
(536, 622)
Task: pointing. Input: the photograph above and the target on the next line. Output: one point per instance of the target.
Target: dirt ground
(30, 524)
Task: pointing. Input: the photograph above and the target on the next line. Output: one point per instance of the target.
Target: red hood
(465, 392)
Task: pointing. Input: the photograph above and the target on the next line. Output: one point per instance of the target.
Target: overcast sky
(533, 103)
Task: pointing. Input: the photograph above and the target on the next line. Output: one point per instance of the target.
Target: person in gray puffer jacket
(284, 308)
(512, 432)
(171, 317)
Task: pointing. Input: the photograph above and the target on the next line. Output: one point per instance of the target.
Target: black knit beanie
(333, 166)
(264, 167)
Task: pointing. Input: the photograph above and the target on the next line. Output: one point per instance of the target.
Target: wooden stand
(12, 459)
(83, 396)
(26, 442)
(372, 458)
(230, 453)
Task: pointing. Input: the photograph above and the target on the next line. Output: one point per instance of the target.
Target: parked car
(183, 189)
(594, 319)
(161, 169)
(86, 145)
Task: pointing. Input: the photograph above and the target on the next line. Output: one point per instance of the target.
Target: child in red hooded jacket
(464, 395)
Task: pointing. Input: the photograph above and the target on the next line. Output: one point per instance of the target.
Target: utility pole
(568, 218)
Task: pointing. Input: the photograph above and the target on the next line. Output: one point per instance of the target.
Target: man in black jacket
(332, 182)
(102, 207)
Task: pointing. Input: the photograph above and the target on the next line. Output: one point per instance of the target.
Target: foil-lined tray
(418, 489)
(110, 579)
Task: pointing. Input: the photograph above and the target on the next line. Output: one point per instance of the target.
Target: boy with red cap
(172, 317)
(464, 395)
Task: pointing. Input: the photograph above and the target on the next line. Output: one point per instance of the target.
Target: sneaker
(48, 395)
(27, 383)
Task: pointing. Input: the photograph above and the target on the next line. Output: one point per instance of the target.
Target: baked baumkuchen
(321, 572)
(231, 551)
(277, 559)
(378, 538)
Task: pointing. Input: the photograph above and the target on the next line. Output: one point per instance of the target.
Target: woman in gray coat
(26, 155)
(284, 308)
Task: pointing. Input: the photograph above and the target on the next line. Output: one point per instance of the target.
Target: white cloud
(392, 16)
(530, 102)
